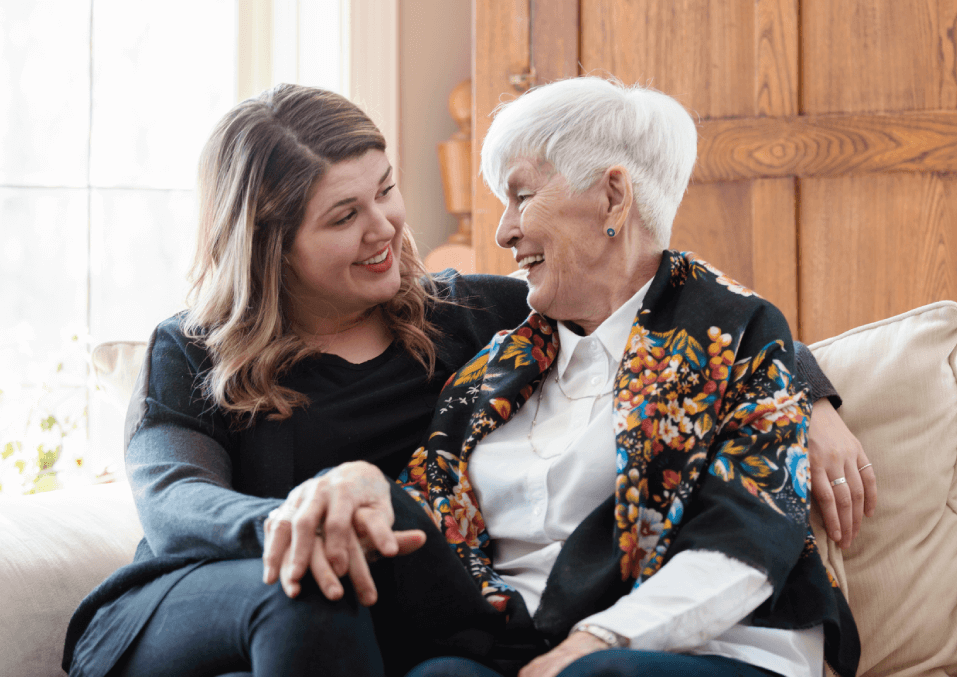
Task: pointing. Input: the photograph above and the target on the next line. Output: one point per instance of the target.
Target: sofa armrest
(54, 549)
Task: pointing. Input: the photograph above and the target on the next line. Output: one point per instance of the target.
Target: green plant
(43, 417)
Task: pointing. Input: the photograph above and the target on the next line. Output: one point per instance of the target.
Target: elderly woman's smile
(576, 272)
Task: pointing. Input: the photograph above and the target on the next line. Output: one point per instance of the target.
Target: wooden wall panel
(862, 55)
(699, 51)
(776, 84)
(746, 229)
(501, 31)
(774, 246)
(714, 221)
(873, 247)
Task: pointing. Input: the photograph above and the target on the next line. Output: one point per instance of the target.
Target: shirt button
(595, 380)
(537, 511)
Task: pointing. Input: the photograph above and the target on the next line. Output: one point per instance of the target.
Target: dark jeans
(610, 663)
(221, 618)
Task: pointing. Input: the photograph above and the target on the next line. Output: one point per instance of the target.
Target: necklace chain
(538, 406)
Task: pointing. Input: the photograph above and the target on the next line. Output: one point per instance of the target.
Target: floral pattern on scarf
(670, 404)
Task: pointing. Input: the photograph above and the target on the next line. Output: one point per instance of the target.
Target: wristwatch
(612, 639)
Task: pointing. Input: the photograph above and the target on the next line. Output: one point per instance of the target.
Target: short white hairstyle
(583, 126)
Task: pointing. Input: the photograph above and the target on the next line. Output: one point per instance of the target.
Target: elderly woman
(627, 469)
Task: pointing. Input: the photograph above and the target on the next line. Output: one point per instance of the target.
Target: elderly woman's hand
(834, 453)
(351, 507)
(577, 644)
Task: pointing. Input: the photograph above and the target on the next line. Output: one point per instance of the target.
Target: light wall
(434, 56)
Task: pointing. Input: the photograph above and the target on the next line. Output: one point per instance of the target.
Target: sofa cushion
(898, 380)
(116, 365)
(54, 549)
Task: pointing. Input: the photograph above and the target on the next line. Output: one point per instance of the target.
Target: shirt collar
(612, 333)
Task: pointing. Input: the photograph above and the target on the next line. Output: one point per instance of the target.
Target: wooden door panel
(500, 30)
(698, 51)
(862, 55)
(874, 246)
(747, 230)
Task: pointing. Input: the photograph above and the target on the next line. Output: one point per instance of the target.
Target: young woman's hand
(333, 525)
(834, 453)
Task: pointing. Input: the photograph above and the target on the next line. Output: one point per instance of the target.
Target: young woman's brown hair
(256, 174)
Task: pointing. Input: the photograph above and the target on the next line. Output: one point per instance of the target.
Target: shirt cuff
(695, 597)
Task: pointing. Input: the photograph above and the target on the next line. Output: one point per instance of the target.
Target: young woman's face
(345, 256)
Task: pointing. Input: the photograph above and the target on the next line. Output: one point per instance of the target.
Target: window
(107, 105)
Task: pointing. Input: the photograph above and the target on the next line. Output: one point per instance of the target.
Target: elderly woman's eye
(521, 197)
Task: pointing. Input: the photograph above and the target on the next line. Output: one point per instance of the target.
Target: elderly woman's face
(559, 238)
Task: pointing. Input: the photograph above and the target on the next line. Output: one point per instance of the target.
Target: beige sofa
(898, 378)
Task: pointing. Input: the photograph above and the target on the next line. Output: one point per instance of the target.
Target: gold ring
(864, 466)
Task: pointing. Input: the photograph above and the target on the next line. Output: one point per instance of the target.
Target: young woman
(313, 338)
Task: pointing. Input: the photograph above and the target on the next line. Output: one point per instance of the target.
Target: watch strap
(612, 639)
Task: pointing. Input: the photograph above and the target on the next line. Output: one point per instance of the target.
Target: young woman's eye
(347, 218)
(385, 191)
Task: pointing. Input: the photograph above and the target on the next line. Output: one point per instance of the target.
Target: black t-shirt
(376, 411)
(380, 409)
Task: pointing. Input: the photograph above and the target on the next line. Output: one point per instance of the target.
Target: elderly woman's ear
(618, 199)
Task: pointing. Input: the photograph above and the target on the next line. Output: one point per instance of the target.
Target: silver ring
(864, 466)
(839, 480)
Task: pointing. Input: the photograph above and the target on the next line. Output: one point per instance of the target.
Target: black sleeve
(474, 309)
(809, 371)
(177, 460)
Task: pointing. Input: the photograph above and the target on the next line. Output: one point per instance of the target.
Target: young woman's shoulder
(482, 290)
(474, 308)
(171, 342)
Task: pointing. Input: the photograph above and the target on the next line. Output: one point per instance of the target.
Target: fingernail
(836, 537)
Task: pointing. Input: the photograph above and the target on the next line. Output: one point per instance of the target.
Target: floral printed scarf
(710, 431)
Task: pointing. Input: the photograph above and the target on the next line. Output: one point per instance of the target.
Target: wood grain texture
(554, 39)
(701, 52)
(814, 146)
(773, 219)
(714, 221)
(874, 246)
(946, 31)
(500, 30)
(774, 246)
(776, 47)
(874, 56)
(747, 230)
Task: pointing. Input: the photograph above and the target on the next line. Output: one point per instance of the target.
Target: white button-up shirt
(539, 476)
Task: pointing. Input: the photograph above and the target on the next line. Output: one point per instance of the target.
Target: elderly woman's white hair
(583, 126)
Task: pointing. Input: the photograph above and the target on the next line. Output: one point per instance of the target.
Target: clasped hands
(333, 525)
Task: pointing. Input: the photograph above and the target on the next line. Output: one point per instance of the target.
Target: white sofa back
(898, 380)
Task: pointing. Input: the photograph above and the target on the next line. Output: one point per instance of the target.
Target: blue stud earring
(611, 232)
